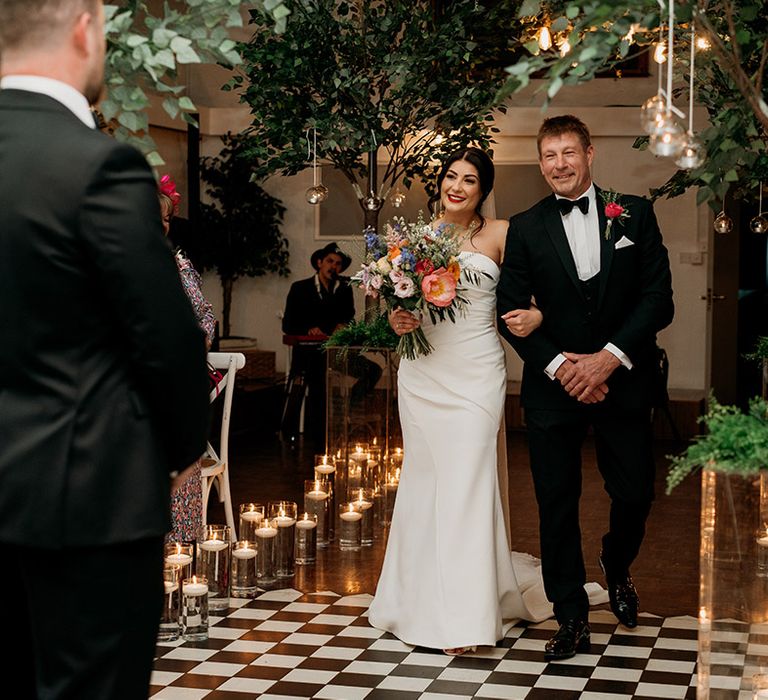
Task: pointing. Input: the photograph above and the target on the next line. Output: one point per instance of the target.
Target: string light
(545, 38)
(318, 193)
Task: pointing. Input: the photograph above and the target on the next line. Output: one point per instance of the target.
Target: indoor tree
(411, 77)
(241, 234)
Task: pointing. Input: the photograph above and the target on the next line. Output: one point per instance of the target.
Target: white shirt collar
(73, 100)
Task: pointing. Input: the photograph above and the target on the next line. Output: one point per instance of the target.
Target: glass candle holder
(169, 617)
(390, 494)
(266, 539)
(363, 500)
(251, 514)
(194, 609)
(350, 526)
(306, 539)
(317, 502)
(244, 579)
(325, 473)
(356, 466)
(180, 554)
(213, 555)
(283, 514)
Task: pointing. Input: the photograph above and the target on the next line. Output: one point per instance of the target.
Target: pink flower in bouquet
(613, 209)
(439, 288)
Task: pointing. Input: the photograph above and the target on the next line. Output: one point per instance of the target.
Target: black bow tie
(567, 205)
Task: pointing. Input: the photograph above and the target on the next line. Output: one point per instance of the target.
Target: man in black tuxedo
(604, 287)
(103, 382)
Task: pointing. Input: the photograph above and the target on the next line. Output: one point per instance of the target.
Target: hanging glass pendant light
(692, 153)
(722, 223)
(759, 224)
(318, 193)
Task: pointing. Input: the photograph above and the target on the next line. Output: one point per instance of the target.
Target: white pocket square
(623, 242)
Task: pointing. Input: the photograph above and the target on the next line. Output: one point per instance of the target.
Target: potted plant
(241, 234)
(733, 604)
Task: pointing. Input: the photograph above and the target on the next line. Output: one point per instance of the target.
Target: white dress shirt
(73, 100)
(583, 234)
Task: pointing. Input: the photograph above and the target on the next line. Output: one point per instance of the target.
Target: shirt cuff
(553, 366)
(611, 348)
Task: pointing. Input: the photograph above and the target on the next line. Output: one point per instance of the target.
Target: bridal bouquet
(413, 267)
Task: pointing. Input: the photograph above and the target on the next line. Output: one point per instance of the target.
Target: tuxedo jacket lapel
(606, 246)
(553, 223)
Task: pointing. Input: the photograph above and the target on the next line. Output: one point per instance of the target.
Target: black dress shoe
(572, 637)
(622, 596)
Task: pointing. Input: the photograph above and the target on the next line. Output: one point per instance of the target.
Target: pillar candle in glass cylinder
(169, 618)
(325, 472)
(364, 505)
(390, 494)
(266, 539)
(213, 554)
(244, 579)
(350, 530)
(251, 514)
(194, 609)
(317, 502)
(283, 514)
(357, 463)
(306, 538)
(180, 554)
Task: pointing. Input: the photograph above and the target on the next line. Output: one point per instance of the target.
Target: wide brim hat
(318, 255)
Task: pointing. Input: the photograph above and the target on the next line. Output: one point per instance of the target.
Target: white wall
(258, 302)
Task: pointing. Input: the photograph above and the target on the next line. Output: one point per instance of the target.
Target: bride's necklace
(465, 231)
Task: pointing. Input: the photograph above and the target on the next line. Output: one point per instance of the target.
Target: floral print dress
(187, 499)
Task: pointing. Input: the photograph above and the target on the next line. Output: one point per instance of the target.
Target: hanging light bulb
(722, 223)
(565, 47)
(759, 224)
(439, 138)
(397, 199)
(659, 54)
(318, 193)
(692, 152)
(667, 140)
(545, 38)
(702, 43)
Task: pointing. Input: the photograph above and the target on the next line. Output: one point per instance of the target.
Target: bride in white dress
(449, 580)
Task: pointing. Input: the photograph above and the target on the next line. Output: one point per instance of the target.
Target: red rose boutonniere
(613, 209)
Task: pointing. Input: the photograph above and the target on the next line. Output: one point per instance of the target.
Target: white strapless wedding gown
(449, 578)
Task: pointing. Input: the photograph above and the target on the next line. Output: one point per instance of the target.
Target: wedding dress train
(449, 579)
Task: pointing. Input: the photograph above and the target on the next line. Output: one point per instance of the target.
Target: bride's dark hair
(485, 171)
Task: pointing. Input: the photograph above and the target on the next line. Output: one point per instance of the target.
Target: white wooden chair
(216, 464)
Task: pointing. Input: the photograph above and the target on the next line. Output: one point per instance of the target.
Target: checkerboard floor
(286, 644)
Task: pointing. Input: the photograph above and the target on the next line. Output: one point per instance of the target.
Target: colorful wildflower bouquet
(413, 267)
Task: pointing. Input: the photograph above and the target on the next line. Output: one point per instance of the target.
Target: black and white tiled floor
(286, 645)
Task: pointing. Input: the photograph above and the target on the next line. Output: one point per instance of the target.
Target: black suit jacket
(634, 300)
(103, 384)
(304, 309)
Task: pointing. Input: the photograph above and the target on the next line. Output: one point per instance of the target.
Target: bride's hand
(522, 322)
(402, 321)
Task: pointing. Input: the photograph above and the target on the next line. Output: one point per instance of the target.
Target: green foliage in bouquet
(736, 443)
(365, 334)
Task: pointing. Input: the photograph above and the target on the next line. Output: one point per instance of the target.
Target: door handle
(709, 297)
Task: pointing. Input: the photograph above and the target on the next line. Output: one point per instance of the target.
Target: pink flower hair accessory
(168, 187)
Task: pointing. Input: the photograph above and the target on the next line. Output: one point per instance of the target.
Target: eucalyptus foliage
(393, 74)
(730, 76)
(736, 443)
(145, 51)
(241, 226)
